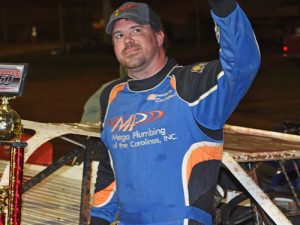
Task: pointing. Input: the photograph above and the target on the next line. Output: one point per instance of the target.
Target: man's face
(135, 45)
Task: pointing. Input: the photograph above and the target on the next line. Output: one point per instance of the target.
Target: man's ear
(160, 37)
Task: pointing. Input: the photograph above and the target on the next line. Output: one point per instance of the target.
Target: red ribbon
(17, 163)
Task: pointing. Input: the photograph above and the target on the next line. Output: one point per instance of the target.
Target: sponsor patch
(124, 8)
(162, 97)
(198, 68)
(116, 13)
(151, 97)
(127, 123)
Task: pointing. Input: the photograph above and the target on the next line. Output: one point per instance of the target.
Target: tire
(234, 214)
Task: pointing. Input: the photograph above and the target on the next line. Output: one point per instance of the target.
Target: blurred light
(285, 48)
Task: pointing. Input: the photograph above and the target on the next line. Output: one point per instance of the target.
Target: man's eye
(136, 31)
(118, 36)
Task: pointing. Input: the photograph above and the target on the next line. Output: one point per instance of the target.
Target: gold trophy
(10, 121)
(12, 78)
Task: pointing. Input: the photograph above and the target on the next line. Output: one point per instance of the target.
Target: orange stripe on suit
(104, 195)
(115, 91)
(201, 154)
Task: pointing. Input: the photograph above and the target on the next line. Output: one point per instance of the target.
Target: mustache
(130, 46)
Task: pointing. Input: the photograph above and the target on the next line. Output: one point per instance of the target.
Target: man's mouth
(130, 51)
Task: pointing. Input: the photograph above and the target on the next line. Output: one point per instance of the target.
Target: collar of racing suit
(148, 83)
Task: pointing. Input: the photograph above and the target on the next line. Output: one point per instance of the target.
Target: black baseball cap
(140, 13)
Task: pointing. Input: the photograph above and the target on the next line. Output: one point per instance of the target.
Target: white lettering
(134, 144)
(170, 137)
(122, 138)
(149, 133)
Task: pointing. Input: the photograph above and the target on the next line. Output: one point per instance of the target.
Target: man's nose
(128, 39)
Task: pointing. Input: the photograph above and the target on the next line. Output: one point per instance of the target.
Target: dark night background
(70, 56)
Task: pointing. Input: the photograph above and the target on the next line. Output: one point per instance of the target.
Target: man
(163, 125)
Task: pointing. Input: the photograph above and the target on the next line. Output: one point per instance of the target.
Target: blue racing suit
(164, 134)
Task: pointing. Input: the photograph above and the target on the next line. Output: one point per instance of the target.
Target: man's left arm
(239, 59)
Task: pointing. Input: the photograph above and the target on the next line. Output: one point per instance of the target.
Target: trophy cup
(12, 77)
